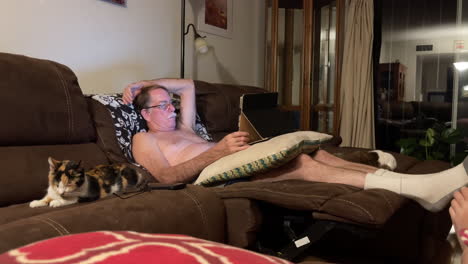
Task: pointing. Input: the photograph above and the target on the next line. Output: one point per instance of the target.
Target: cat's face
(65, 176)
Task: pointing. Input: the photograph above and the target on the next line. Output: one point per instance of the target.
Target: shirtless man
(172, 152)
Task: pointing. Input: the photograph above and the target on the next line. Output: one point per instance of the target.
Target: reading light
(461, 65)
(201, 45)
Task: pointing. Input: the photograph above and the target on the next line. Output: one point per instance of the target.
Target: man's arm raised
(148, 154)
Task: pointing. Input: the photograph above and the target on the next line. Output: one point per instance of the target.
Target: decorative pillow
(132, 247)
(262, 157)
(200, 128)
(128, 121)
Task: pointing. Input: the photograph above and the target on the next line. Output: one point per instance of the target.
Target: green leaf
(430, 134)
(426, 143)
(429, 140)
(451, 136)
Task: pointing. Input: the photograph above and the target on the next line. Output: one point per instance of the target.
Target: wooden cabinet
(392, 81)
(303, 59)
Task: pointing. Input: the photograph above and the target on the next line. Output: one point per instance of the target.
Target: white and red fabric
(132, 247)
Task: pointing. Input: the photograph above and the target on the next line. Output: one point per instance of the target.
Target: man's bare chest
(179, 146)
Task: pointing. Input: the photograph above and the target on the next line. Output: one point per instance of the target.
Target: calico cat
(69, 183)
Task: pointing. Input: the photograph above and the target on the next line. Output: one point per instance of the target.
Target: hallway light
(461, 65)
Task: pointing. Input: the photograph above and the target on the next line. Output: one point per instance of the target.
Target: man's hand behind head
(131, 91)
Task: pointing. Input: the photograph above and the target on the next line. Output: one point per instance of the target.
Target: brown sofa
(398, 119)
(44, 113)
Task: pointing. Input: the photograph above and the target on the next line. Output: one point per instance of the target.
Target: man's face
(161, 114)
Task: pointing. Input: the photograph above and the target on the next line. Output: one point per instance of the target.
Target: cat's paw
(37, 203)
(56, 203)
(386, 160)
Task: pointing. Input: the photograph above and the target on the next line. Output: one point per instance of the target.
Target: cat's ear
(79, 163)
(53, 163)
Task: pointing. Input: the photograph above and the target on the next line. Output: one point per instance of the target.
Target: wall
(405, 52)
(237, 59)
(109, 46)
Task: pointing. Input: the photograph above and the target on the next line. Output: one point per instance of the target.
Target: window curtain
(357, 106)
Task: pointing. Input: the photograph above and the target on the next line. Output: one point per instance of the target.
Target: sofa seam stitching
(60, 225)
(309, 195)
(104, 145)
(198, 204)
(269, 191)
(48, 220)
(358, 206)
(388, 202)
(50, 224)
(67, 98)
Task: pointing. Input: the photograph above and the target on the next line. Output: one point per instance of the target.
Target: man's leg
(306, 168)
(332, 160)
(433, 191)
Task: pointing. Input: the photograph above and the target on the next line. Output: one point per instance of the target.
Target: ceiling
(414, 17)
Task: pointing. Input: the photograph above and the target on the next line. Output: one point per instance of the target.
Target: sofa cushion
(442, 111)
(370, 208)
(42, 104)
(262, 157)
(133, 247)
(218, 105)
(25, 168)
(194, 211)
(105, 130)
(243, 221)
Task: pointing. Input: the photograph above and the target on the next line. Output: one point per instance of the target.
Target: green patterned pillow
(261, 157)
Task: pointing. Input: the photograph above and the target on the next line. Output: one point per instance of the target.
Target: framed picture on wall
(117, 2)
(215, 17)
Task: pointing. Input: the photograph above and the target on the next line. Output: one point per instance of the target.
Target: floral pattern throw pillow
(128, 122)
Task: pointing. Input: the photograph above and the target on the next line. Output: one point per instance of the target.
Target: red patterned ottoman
(132, 247)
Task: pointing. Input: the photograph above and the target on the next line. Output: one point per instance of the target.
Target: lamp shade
(201, 45)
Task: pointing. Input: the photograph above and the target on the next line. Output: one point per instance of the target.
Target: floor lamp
(201, 45)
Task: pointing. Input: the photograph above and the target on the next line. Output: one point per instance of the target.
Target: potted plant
(434, 145)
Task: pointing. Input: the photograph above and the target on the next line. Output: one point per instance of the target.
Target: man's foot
(459, 214)
(432, 191)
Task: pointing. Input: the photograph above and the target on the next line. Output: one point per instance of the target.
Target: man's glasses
(163, 106)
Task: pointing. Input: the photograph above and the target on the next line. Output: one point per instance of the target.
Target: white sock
(380, 172)
(433, 191)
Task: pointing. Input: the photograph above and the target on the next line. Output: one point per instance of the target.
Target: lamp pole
(200, 44)
(182, 39)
